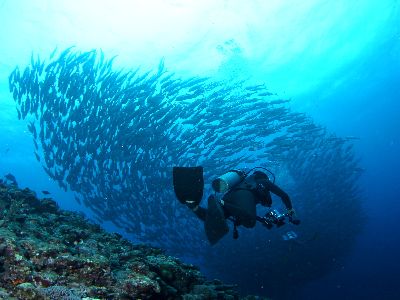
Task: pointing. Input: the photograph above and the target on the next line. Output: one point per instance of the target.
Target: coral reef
(49, 253)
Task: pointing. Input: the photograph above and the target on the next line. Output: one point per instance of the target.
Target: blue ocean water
(339, 62)
(368, 107)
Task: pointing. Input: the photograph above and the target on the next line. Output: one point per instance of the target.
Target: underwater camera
(275, 218)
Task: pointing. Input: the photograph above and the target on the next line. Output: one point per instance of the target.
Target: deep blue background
(369, 104)
(345, 81)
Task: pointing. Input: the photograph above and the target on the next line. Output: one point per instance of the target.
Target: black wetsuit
(240, 202)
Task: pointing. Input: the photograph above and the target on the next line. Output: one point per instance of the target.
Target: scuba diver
(242, 192)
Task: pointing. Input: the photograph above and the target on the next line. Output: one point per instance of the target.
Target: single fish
(46, 192)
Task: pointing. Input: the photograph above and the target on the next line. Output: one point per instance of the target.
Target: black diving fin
(215, 224)
(188, 184)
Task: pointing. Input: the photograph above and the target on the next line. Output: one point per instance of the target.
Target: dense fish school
(113, 136)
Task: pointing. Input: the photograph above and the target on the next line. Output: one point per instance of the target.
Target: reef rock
(49, 253)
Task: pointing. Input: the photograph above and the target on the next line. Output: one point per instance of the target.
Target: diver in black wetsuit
(242, 193)
(240, 202)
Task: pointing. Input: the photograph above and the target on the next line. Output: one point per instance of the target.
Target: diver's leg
(200, 212)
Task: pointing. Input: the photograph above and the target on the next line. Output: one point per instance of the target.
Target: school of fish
(112, 136)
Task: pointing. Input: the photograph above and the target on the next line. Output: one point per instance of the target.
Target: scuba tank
(226, 181)
(231, 178)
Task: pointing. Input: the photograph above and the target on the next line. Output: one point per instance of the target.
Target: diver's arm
(280, 193)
